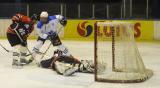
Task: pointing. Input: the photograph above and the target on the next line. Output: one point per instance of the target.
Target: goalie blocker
(67, 65)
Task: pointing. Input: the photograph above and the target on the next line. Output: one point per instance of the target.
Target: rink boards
(84, 29)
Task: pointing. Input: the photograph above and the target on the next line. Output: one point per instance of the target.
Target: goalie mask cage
(117, 58)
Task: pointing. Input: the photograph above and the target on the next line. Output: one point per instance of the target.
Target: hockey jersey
(25, 25)
(49, 28)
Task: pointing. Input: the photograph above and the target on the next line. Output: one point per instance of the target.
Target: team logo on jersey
(26, 26)
(84, 30)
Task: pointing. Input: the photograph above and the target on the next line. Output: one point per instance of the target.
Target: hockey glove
(52, 36)
(13, 25)
(44, 36)
(24, 43)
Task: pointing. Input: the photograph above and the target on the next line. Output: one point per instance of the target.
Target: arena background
(82, 15)
(78, 37)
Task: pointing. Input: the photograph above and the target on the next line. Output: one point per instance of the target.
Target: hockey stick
(46, 51)
(5, 48)
(37, 52)
(51, 43)
(9, 51)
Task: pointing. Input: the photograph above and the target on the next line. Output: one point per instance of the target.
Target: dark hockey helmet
(63, 21)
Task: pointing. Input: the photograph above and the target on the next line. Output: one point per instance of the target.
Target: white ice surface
(35, 77)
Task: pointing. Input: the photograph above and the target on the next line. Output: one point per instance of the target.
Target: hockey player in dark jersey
(17, 33)
(67, 65)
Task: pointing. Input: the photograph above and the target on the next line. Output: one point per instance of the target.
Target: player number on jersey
(22, 32)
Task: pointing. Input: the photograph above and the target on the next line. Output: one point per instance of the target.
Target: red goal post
(117, 58)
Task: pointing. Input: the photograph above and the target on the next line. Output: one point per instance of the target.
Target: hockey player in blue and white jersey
(47, 29)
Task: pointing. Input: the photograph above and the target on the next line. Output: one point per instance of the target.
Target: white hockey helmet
(44, 14)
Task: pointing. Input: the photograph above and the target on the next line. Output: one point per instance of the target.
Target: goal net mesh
(117, 58)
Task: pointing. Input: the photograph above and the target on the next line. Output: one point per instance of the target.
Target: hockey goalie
(67, 65)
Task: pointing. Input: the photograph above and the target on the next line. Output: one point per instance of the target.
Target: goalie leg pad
(70, 71)
(86, 66)
(65, 68)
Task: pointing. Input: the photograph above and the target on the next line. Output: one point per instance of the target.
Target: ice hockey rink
(35, 77)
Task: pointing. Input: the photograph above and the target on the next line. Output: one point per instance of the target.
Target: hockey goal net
(117, 58)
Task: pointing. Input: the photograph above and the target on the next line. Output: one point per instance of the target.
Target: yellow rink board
(84, 29)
